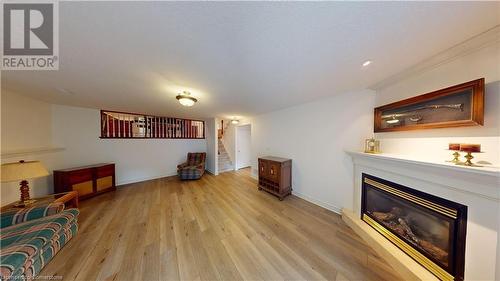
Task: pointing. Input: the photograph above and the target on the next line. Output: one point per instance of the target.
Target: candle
(470, 147)
(454, 146)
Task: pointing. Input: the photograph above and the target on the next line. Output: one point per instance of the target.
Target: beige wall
(432, 143)
(35, 117)
(26, 125)
(77, 130)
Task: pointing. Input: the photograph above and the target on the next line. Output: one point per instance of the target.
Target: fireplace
(429, 229)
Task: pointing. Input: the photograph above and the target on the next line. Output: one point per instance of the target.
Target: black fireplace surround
(429, 229)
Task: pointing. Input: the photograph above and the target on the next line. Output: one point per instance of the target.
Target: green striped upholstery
(27, 247)
(31, 213)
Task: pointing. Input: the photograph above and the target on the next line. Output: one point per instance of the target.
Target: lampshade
(23, 170)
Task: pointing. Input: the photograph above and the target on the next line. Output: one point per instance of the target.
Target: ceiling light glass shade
(186, 99)
(235, 121)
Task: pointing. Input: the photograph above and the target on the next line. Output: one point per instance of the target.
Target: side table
(70, 199)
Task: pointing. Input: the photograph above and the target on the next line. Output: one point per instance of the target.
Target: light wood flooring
(219, 227)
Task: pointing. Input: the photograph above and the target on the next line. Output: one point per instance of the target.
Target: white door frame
(236, 167)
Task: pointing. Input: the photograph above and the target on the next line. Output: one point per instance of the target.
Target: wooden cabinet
(88, 181)
(275, 175)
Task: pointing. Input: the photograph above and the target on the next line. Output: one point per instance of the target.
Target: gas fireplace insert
(428, 228)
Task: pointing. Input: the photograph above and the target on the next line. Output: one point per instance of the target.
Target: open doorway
(243, 146)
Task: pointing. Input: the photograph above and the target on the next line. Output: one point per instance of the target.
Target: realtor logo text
(30, 32)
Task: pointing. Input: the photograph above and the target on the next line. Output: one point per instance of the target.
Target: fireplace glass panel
(428, 228)
(419, 227)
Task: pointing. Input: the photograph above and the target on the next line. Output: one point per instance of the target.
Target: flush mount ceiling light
(186, 99)
(367, 63)
(235, 121)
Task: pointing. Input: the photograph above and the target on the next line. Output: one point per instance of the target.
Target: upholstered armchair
(193, 168)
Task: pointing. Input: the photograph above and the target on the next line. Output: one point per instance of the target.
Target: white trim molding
(318, 202)
(30, 151)
(473, 44)
(137, 180)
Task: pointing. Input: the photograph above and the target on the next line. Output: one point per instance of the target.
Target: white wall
(77, 130)
(229, 140)
(229, 137)
(315, 136)
(242, 146)
(431, 143)
(211, 136)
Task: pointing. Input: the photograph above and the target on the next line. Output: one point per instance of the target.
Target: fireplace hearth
(429, 229)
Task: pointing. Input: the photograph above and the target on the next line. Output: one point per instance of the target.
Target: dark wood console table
(88, 181)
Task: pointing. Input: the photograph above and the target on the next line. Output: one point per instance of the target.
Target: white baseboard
(136, 180)
(320, 203)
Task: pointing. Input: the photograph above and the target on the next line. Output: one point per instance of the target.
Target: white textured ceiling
(239, 58)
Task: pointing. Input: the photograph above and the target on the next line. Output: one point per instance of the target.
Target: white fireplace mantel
(476, 187)
(481, 181)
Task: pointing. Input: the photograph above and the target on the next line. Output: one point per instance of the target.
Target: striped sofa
(31, 237)
(194, 167)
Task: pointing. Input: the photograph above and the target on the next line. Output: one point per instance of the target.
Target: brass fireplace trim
(412, 252)
(426, 203)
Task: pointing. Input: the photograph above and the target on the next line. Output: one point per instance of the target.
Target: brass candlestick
(455, 157)
(468, 161)
(469, 157)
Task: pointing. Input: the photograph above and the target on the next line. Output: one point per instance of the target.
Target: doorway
(243, 144)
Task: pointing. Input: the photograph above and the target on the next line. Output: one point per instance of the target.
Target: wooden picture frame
(455, 106)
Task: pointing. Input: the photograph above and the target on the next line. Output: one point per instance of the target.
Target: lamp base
(25, 191)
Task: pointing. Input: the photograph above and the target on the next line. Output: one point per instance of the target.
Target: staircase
(225, 163)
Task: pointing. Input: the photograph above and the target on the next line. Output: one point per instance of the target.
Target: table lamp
(22, 171)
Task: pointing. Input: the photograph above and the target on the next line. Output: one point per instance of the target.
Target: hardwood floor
(214, 228)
